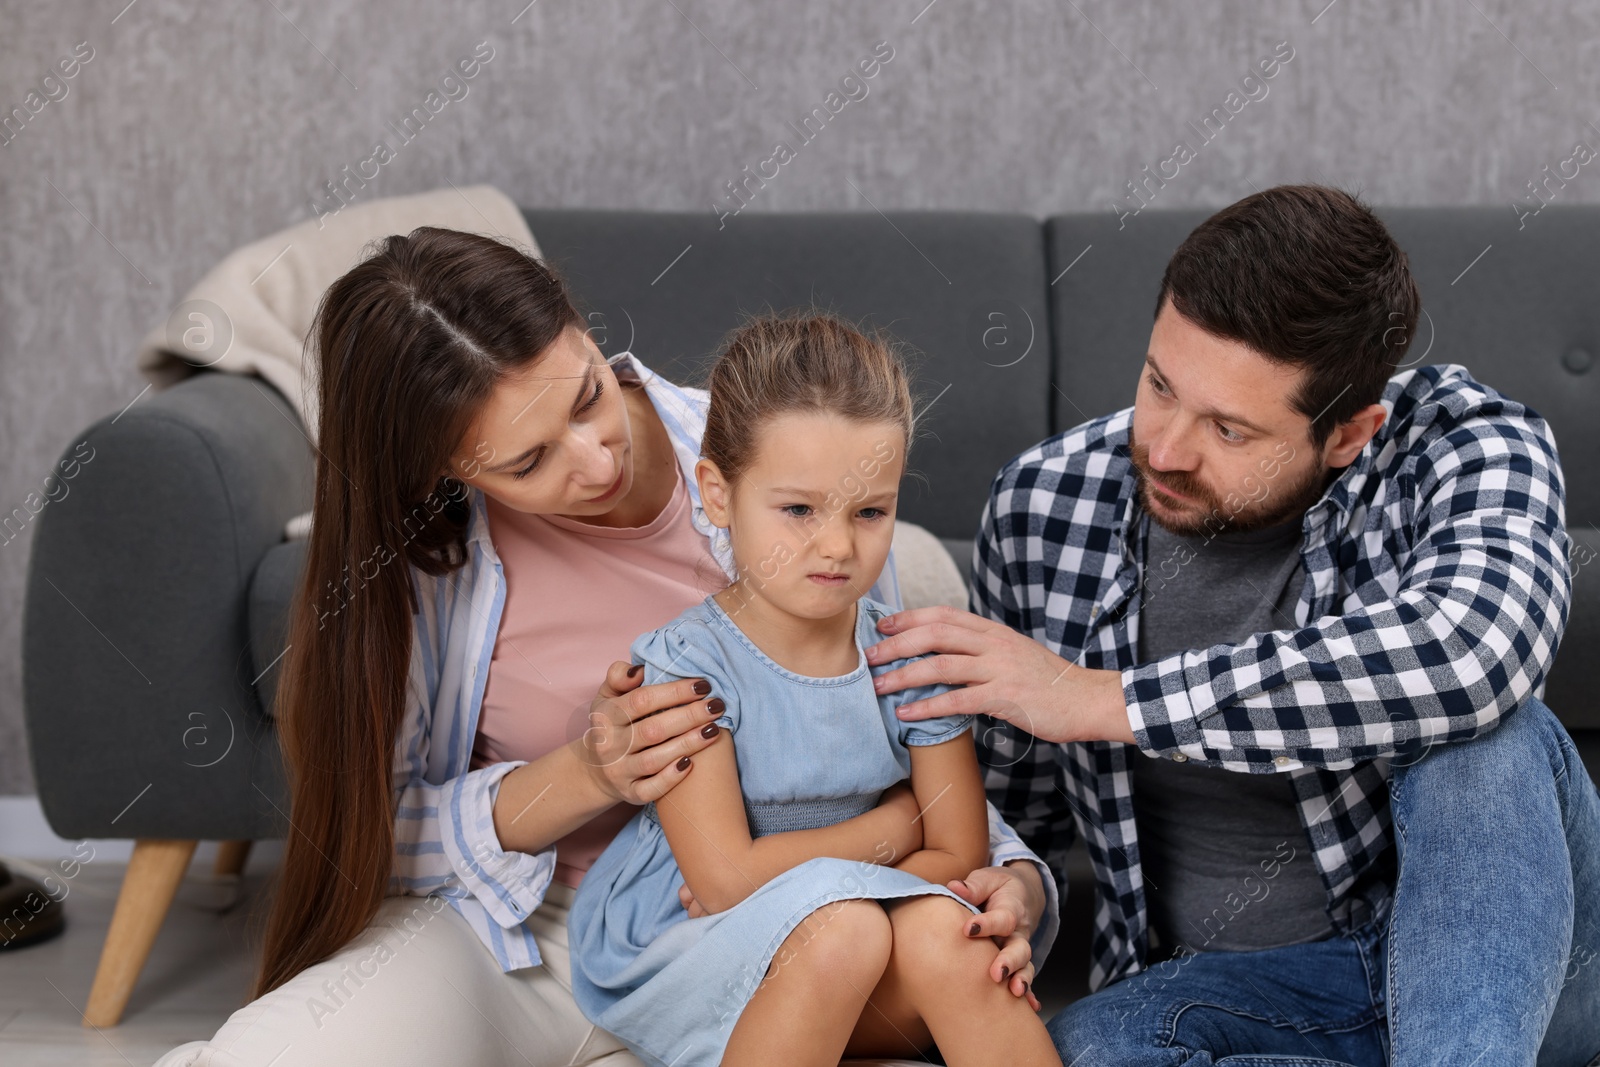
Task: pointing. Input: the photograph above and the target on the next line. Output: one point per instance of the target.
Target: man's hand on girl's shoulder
(997, 672)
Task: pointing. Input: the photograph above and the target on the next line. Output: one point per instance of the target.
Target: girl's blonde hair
(811, 362)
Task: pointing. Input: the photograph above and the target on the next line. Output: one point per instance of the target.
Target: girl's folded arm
(705, 823)
(955, 819)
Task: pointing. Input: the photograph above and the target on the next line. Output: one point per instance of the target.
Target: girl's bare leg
(937, 989)
(804, 1009)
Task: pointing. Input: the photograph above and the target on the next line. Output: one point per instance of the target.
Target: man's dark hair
(1306, 276)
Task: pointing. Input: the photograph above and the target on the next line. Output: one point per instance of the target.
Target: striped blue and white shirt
(445, 842)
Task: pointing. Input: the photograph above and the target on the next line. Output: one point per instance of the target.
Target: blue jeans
(1486, 955)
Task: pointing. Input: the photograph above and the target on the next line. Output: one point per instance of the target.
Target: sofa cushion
(960, 549)
(927, 573)
(1103, 284)
(965, 290)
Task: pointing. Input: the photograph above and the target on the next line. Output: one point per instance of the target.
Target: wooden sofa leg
(231, 856)
(154, 872)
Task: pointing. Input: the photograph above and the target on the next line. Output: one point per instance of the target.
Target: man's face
(1216, 442)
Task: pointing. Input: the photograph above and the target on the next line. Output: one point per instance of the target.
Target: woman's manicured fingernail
(683, 764)
(702, 687)
(710, 730)
(1005, 972)
(715, 706)
(972, 931)
(1027, 987)
(633, 671)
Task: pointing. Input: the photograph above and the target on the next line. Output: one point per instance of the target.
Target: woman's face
(554, 440)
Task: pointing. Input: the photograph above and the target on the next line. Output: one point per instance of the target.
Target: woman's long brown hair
(409, 344)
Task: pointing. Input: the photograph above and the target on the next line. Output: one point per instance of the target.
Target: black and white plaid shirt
(1437, 586)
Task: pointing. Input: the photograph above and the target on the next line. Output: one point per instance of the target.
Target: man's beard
(1259, 501)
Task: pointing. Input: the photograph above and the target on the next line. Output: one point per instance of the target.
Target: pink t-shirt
(576, 597)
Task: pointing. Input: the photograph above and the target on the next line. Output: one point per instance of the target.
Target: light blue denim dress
(812, 752)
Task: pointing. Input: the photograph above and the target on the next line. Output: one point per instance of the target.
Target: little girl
(803, 954)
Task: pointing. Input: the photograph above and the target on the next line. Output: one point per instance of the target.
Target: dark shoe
(28, 914)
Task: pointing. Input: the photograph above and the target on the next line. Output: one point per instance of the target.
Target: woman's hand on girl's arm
(952, 811)
(1013, 901)
(638, 746)
(640, 738)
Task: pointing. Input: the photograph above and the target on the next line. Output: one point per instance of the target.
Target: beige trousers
(417, 987)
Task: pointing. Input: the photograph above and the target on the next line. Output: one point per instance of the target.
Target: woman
(499, 511)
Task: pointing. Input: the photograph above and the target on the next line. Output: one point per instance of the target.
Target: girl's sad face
(812, 518)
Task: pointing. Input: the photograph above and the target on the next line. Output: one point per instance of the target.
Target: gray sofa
(157, 726)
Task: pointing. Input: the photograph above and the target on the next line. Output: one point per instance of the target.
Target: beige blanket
(251, 313)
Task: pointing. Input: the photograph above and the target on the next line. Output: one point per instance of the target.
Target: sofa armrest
(141, 713)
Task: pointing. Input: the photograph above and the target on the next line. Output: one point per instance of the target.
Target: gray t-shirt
(1226, 861)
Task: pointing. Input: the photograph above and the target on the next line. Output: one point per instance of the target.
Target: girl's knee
(847, 938)
(930, 933)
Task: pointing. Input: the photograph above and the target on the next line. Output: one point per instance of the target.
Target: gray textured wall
(198, 127)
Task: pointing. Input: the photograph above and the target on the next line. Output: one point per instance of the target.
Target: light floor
(197, 974)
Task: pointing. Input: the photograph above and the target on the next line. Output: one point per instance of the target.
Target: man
(1272, 641)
